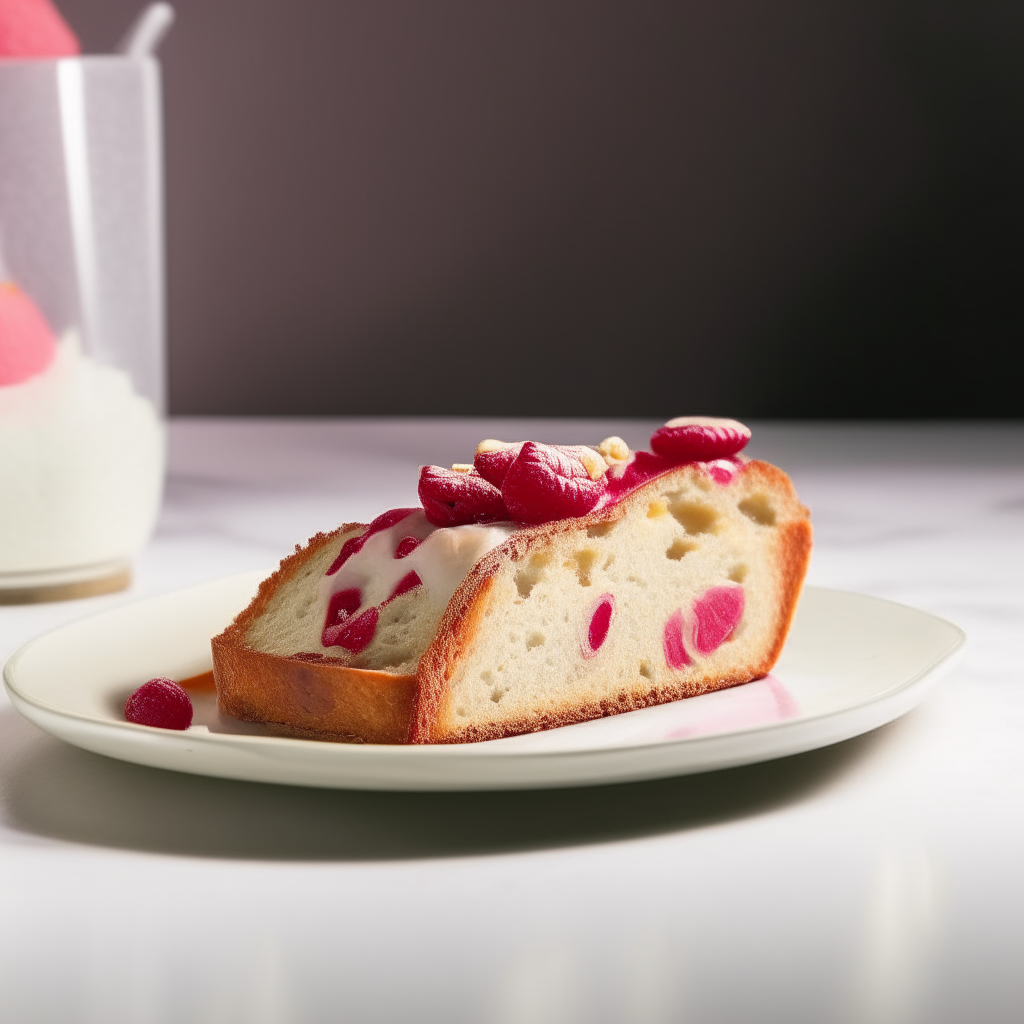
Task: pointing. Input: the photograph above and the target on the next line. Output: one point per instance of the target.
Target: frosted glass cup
(82, 439)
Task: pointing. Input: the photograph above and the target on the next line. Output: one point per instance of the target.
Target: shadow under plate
(54, 790)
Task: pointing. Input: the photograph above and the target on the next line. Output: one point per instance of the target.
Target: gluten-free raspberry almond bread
(538, 586)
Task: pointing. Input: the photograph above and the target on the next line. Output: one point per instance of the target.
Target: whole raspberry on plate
(160, 703)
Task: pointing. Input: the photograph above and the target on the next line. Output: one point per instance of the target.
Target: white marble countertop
(881, 880)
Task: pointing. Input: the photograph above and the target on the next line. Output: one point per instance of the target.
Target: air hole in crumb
(656, 509)
(693, 516)
(534, 640)
(738, 573)
(583, 562)
(680, 547)
(601, 529)
(497, 693)
(758, 508)
(486, 675)
(608, 561)
(645, 670)
(461, 712)
(532, 573)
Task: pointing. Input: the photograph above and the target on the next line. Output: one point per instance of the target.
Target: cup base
(64, 584)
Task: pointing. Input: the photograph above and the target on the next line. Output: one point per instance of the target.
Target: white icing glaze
(442, 560)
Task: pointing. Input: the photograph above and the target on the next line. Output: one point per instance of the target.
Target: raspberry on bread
(465, 621)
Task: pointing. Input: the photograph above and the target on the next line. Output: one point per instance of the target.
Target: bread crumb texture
(294, 619)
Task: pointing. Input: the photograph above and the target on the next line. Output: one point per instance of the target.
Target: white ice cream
(81, 466)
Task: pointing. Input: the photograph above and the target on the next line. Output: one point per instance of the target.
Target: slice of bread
(688, 584)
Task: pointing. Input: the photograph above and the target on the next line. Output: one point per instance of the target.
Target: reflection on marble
(875, 881)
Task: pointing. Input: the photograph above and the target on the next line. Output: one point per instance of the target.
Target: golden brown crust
(796, 544)
(460, 622)
(317, 699)
(323, 699)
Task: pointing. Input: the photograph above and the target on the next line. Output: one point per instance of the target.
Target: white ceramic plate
(851, 664)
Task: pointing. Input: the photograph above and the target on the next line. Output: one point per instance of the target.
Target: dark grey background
(786, 208)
